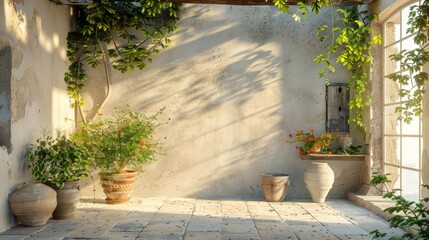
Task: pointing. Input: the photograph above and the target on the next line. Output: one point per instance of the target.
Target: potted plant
(312, 143)
(318, 177)
(121, 144)
(60, 163)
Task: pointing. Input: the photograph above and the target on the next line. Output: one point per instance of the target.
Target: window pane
(392, 29)
(413, 128)
(392, 150)
(394, 177)
(411, 152)
(410, 185)
(408, 44)
(391, 124)
(410, 86)
(391, 66)
(404, 18)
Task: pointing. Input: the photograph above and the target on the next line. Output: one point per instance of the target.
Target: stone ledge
(375, 204)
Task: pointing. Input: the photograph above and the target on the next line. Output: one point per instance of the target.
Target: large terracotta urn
(118, 187)
(67, 199)
(33, 204)
(318, 179)
(275, 186)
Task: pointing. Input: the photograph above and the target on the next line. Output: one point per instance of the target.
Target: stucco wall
(236, 82)
(35, 31)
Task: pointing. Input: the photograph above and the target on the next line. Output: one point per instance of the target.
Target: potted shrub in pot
(121, 144)
(60, 163)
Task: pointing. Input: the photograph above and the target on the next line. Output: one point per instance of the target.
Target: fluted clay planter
(318, 179)
(118, 187)
(67, 199)
(33, 204)
(275, 186)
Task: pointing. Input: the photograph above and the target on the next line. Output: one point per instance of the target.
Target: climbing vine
(126, 34)
(411, 62)
(351, 42)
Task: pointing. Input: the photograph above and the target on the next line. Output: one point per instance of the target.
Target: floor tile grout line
(253, 220)
(190, 217)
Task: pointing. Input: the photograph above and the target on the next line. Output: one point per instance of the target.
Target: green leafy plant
(58, 160)
(122, 141)
(407, 214)
(311, 142)
(411, 63)
(124, 33)
(352, 149)
(351, 40)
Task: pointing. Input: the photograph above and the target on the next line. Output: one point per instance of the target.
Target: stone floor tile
(165, 227)
(204, 226)
(237, 228)
(202, 235)
(347, 230)
(183, 218)
(349, 237)
(24, 230)
(315, 236)
(14, 237)
(240, 236)
(122, 235)
(159, 236)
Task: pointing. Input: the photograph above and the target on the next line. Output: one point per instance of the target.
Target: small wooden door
(337, 108)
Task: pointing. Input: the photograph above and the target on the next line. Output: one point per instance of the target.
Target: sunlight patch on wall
(60, 108)
(16, 21)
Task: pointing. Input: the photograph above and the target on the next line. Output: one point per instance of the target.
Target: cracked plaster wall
(235, 83)
(35, 31)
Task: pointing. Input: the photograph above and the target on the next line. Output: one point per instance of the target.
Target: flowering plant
(311, 142)
(122, 141)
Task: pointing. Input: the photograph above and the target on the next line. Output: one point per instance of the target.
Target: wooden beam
(233, 2)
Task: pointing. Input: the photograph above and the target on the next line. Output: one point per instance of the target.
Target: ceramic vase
(118, 187)
(33, 204)
(67, 199)
(318, 179)
(275, 186)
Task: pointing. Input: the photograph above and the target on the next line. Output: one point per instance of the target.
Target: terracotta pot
(275, 186)
(33, 204)
(67, 199)
(316, 148)
(118, 187)
(318, 179)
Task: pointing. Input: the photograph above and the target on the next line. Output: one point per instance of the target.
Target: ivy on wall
(127, 34)
(351, 41)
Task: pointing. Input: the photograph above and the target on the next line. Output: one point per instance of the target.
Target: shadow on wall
(5, 96)
(234, 84)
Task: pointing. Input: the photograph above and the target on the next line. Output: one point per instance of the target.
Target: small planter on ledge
(275, 186)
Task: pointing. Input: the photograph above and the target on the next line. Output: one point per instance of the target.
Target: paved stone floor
(185, 218)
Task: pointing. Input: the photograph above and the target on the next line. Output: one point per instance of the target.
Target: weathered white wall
(36, 32)
(236, 82)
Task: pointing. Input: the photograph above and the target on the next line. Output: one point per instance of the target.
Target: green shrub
(58, 160)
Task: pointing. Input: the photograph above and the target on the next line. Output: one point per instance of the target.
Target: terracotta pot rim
(127, 172)
(275, 175)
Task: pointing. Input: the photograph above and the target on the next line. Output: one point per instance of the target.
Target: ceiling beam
(233, 2)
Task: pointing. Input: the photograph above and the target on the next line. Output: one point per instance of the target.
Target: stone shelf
(336, 157)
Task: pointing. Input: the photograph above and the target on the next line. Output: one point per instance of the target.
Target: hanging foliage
(132, 31)
(351, 41)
